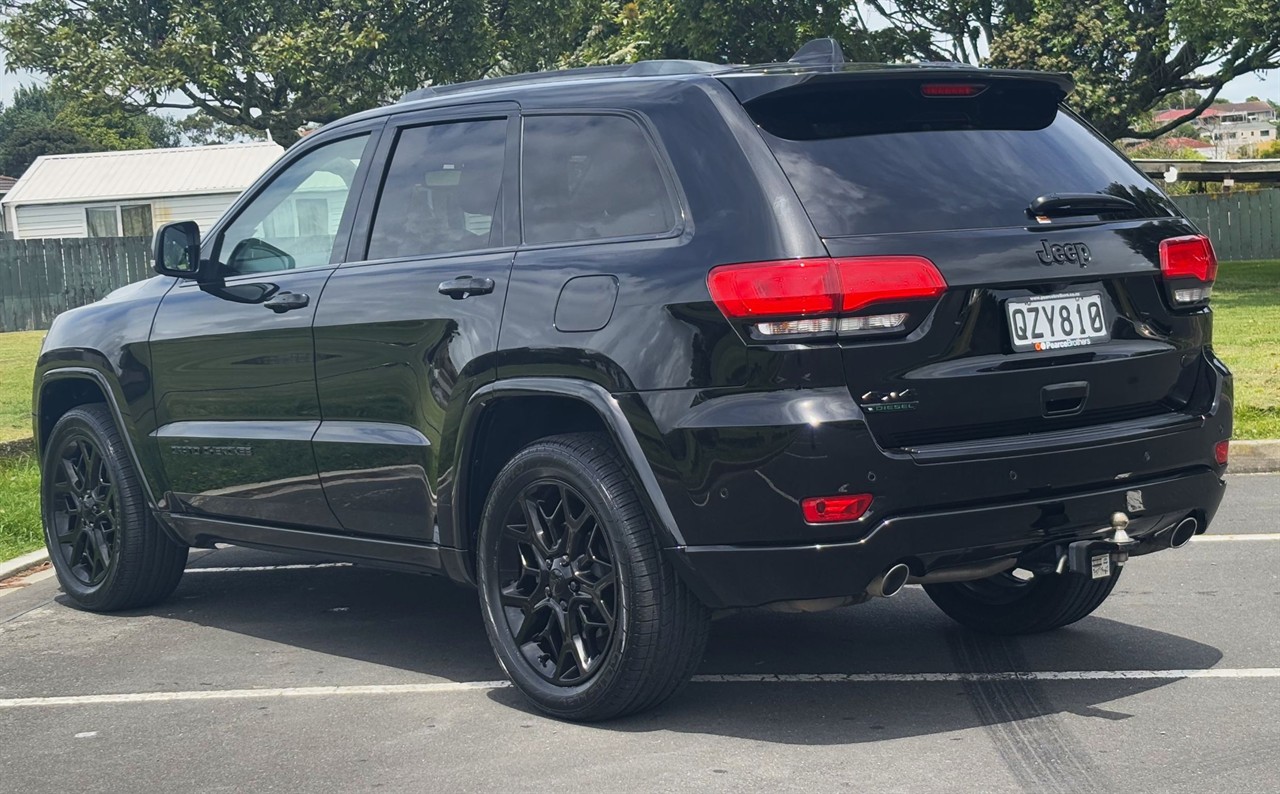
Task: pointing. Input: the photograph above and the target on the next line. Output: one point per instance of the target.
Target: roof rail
(658, 68)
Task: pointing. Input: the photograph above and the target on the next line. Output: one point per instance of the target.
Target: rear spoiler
(753, 82)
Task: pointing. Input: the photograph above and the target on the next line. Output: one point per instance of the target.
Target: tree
(201, 129)
(1126, 56)
(1178, 100)
(259, 64)
(1270, 151)
(43, 121)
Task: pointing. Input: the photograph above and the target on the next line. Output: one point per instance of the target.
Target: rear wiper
(1079, 204)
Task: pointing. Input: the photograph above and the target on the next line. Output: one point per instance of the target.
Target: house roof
(1215, 110)
(142, 173)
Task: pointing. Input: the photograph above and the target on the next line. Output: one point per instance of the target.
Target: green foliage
(201, 129)
(43, 121)
(20, 530)
(1270, 151)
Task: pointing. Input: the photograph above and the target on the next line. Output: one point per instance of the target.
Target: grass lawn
(19, 506)
(1246, 335)
(17, 364)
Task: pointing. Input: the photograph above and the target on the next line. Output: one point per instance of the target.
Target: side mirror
(178, 250)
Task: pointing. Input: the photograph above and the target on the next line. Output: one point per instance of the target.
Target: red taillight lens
(775, 289)
(1188, 257)
(864, 281)
(832, 509)
(952, 89)
(1222, 452)
(822, 287)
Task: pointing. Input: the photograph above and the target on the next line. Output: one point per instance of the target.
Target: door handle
(466, 286)
(288, 301)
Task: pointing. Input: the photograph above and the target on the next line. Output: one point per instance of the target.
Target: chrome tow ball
(1099, 559)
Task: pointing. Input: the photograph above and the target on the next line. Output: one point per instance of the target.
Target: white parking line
(1257, 536)
(469, 686)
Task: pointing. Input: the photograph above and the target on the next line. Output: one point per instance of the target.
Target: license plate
(1101, 567)
(1055, 322)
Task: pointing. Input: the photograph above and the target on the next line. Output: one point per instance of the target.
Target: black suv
(626, 345)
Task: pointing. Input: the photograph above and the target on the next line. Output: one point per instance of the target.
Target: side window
(441, 191)
(294, 221)
(590, 177)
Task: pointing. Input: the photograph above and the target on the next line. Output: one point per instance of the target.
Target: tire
(1004, 604)
(106, 547)
(540, 557)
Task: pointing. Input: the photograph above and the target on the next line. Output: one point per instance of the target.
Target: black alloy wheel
(584, 612)
(558, 584)
(106, 547)
(84, 509)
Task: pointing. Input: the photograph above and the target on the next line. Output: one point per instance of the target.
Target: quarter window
(294, 221)
(591, 177)
(441, 191)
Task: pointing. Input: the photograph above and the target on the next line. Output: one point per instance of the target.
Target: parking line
(445, 687)
(1256, 536)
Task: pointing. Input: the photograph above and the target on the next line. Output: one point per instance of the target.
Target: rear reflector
(812, 293)
(1188, 257)
(952, 89)
(1222, 452)
(832, 509)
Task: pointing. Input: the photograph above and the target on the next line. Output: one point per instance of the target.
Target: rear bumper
(739, 576)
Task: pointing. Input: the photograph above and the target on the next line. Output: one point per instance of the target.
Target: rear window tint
(884, 161)
(590, 177)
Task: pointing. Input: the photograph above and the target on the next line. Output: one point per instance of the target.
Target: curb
(22, 564)
(1254, 457)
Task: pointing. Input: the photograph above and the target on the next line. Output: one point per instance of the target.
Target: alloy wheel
(85, 510)
(558, 582)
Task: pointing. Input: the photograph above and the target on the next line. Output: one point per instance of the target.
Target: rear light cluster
(1189, 267)
(834, 509)
(803, 297)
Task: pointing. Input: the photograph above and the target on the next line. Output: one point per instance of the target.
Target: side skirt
(389, 554)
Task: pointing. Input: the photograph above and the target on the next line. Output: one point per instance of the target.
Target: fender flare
(610, 413)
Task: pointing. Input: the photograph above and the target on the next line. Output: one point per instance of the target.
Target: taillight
(952, 89)
(1189, 267)
(833, 509)
(817, 296)
(1222, 452)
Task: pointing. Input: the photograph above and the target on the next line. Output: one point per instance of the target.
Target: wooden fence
(40, 278)
(1242, 224)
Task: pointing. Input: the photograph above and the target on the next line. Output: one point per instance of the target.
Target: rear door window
(883, 158)
(591, 177)
(442, 190)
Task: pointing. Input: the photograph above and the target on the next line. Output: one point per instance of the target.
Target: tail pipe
(887, 584)
(1182, 534)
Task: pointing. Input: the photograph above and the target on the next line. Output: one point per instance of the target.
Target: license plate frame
(1035, 323)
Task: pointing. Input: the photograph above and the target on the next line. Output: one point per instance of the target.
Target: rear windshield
(883, 159)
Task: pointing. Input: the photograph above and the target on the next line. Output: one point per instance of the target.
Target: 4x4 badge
(1064, 253)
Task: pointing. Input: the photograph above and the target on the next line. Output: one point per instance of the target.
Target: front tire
(585, 615)
(1005, 604)
(106, 547)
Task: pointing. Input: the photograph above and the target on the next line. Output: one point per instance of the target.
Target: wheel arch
(505, 416)
(64, 388)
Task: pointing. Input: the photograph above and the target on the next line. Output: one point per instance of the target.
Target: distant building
(1179, 142)
(1242, 139)
(1225, 113)
(6, 184)
(130, 193)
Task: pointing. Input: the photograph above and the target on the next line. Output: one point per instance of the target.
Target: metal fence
(1242, 224)
(40, 278)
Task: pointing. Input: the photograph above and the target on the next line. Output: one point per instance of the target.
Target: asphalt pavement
(285, 673)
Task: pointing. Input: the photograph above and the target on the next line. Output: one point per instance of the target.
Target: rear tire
(106, 547)
(585, 615)
(1003, 604)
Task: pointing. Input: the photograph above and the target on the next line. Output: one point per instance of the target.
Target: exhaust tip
(894, 580)
(1183, 532)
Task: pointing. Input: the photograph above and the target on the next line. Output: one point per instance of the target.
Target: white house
(1244, 138)
(129, 194)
